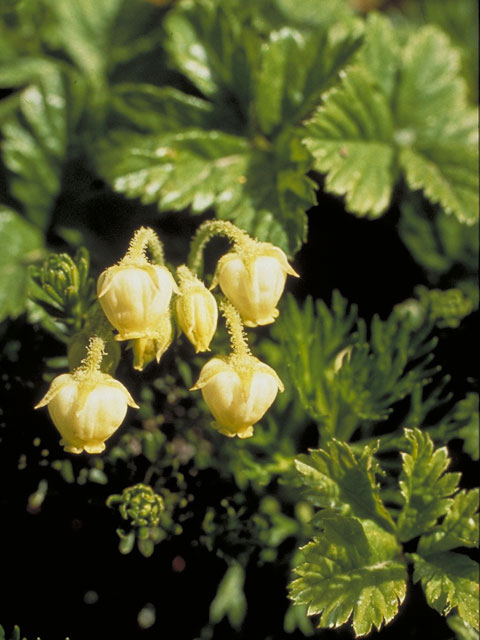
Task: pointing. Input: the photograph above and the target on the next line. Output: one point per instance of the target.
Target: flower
(197, 311)
(135, 297)
(145, 350)
(87, 406)
(238, 391)
(253, 278)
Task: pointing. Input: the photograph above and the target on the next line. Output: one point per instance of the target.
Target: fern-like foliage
(349, 375)
(354, 569)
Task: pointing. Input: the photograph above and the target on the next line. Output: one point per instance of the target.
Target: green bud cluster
(140, 505)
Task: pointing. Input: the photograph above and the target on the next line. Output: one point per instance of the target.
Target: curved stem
(143, 239)
(206, 232)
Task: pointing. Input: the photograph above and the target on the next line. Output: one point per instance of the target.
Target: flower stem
(238, 337)
(209, 230)
(91, 364)
(143, 239)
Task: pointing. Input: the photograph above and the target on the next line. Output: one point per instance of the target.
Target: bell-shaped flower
(253, 279)
(238, 391)
(87, 406)
(86, 410)
(197, 311)
(135, 297)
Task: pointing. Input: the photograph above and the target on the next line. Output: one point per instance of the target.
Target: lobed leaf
(449, 580)
(36, 133)
(343, 576)
(459, 527)
(199, 168)
(424, 485)
(350, 137)
(343, 484)
(399, 110)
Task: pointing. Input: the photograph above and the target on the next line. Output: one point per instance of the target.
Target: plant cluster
(226, 139)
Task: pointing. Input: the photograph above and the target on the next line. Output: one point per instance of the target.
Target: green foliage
(424, 485)
(445, 248)
(36, 133)
(355, 557)
(449, 580)
(230, 599)
(148, 515)
(399, 109)
(345, 575)
(63, 288)
(139, 505)
(253, 169)
(343, 380)
(21, 244)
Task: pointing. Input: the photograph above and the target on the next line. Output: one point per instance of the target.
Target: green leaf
(344, 576)
(153, 109)
(448, 175)
(343, 380)
(399, 109)
(261, 191)
(449, 580)
(424, 485)
(342, 484)
(459, 527)
(20, 244)
(463, 630)
(36, 134)
(350, 137)
(311, 338)
(294, 68)
(210, 43)
(230, 598)
(99, 35)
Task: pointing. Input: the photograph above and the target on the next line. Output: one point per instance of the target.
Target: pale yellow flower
(135, 298)
(253, 279)
(87, 406)
(238, 391)
(197, 311)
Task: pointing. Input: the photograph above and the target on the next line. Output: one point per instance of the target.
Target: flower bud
(145, 350)
(197, 311)
(253, 280)
(238, 391)
(135, 297)
(86, 410)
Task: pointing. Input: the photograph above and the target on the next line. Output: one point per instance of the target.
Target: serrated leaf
(343, 576)
(381, 51)
(350, 139)
(258, 190)
(209, 42)
(36, 135)
(340, 483)
(20, 244)
(399, 109)
(459, 527)
(294, 68)
(424, 485)
(154, 109)
(447, 174)
(449, 580)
